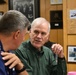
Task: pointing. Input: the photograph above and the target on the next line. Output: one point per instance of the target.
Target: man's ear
(16, 34)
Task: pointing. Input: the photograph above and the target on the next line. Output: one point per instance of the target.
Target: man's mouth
(38, 41)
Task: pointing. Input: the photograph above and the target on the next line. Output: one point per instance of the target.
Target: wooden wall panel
(60, 36)
(71, 39)
(65, 27)
(4, 7)
(56, 35)
(42, 8)
(68, 39)
(26, 37)
(71, 67)
(71, 4)
(53, 36)
(47, 8)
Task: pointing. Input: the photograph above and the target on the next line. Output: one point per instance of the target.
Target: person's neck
(39, 49)
(5, 43)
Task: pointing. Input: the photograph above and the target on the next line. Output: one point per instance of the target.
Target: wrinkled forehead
(41, 28)
(40, 24)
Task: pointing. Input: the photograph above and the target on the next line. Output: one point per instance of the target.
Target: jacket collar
(31, 47)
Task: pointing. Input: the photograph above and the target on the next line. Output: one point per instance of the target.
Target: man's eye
(36, 32)
(43, 33)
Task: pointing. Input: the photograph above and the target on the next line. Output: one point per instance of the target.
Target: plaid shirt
(4, 70)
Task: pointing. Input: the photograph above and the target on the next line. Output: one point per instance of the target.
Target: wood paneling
(65, 27)
(42, 8)
(60, 36)
(56, 35)
(53, 35)
(71, 4)
(26, 37)
(71, 39)
(4, 7)
(68, 39)
(71, 67)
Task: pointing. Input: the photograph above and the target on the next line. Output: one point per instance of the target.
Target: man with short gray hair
(13, 26)
(38, 59)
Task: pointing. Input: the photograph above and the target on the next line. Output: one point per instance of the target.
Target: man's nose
(39, 35)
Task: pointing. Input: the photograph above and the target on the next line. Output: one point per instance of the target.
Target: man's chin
(37, 46)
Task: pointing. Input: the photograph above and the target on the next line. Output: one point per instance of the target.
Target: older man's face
(39, 34)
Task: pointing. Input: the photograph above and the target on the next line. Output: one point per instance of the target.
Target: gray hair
(13, 20)
(40, 20)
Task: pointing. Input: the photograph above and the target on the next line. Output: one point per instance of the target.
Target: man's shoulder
(46, 49)
(47, 52)
(23, 45)
(49, 44)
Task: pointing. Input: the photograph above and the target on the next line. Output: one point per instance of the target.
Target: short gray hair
(40, 20)
(13, 20)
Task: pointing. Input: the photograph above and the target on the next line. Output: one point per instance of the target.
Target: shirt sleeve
(23, 57)
(57, 68)
(62, 67)
(2, 67)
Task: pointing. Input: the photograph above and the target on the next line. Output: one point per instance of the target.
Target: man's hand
(12, 60)
(58, 49)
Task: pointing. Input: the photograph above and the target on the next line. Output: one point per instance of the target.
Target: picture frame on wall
(56, 1)
(56, 19)
(30, 8)
(71, 53)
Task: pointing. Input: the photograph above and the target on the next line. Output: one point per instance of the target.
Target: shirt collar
(36, 50)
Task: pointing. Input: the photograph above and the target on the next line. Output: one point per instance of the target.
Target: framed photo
(55, 1)
(30, 8)
(56, 19)
(71, 53)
